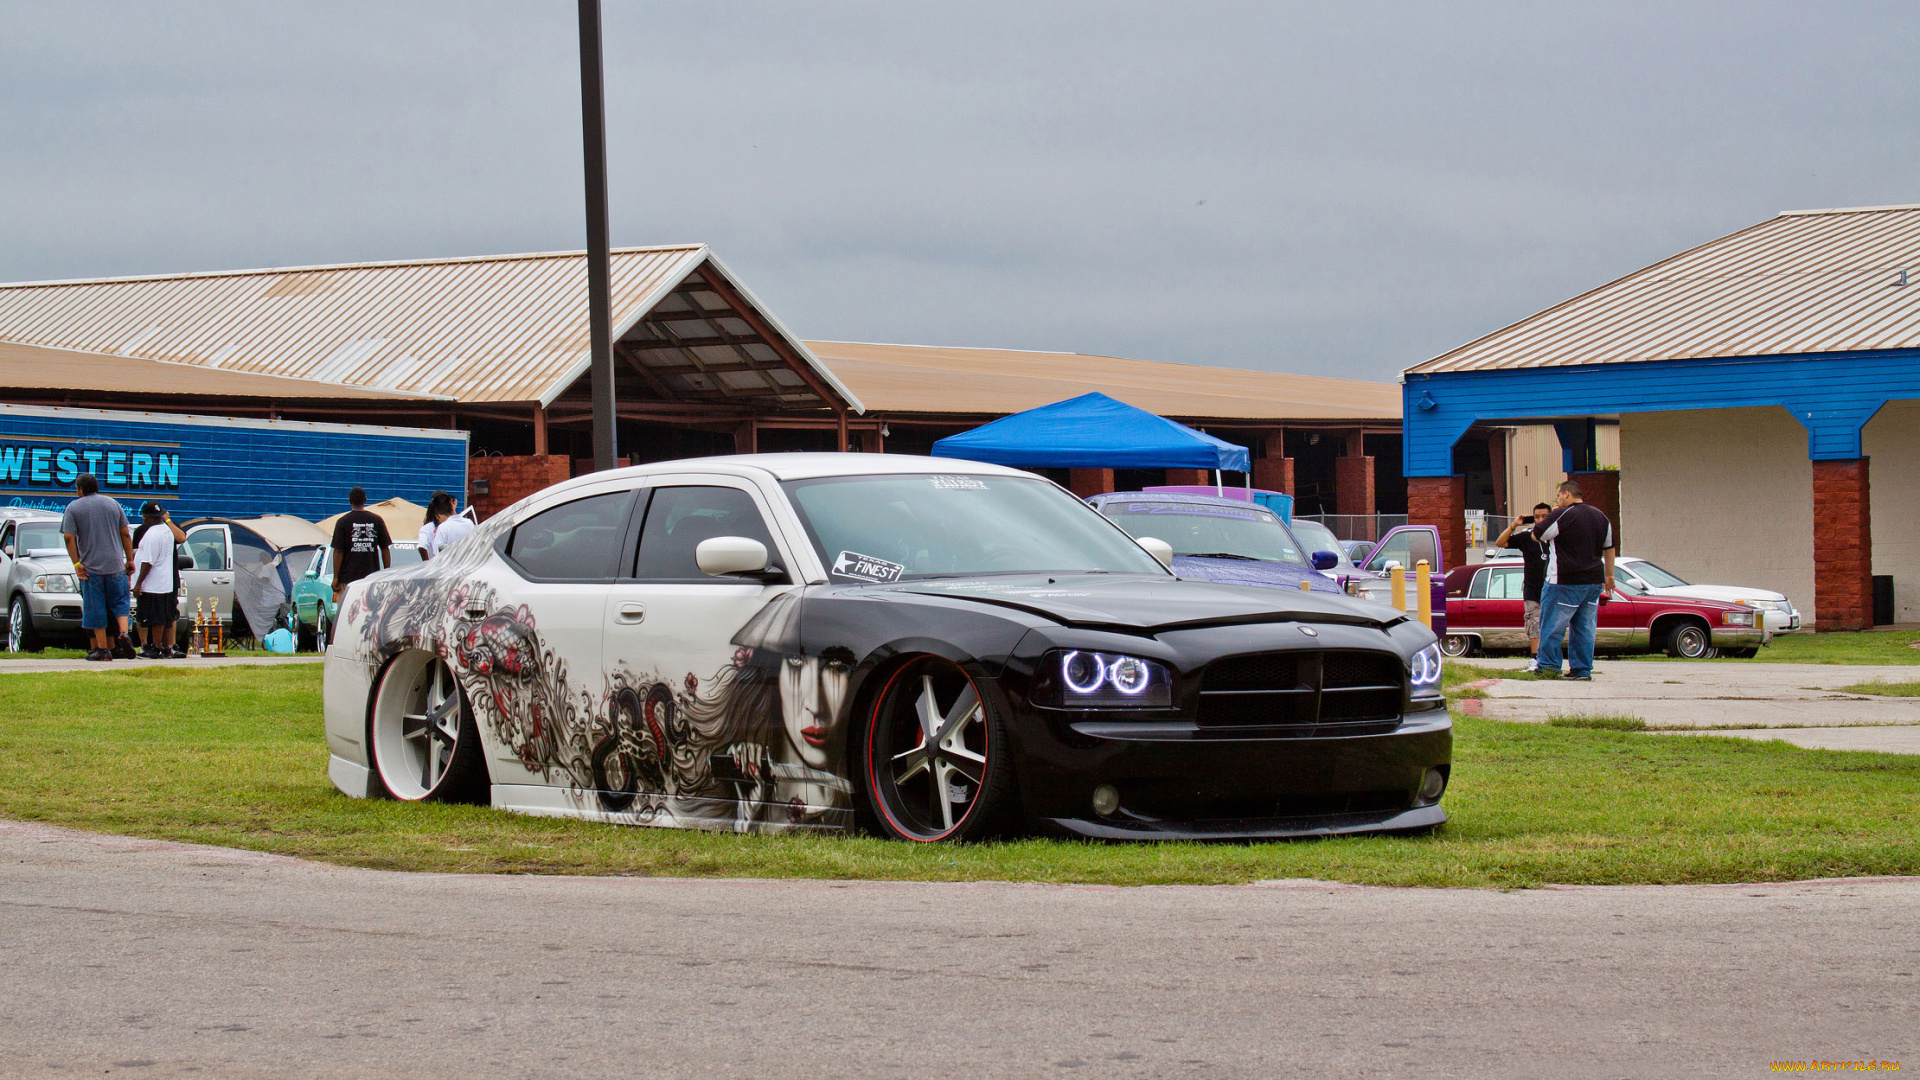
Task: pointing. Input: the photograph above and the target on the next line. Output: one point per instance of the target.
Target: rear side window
(680, 517)
(1506, 583)
(574, 541)
(1479, 590)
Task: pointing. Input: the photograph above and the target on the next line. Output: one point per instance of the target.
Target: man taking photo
(1533, 561)
(1579, 570)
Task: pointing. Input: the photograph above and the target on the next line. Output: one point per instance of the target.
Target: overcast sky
(1339, 188)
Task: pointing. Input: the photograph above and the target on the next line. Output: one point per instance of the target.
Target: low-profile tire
(616, 779)
(1458, 645)
(935, 763)
(21, 636)
(421, 733)
(1689, 641)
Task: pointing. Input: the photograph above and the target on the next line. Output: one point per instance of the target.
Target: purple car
(1227, 541)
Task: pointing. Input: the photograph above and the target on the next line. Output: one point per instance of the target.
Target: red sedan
(1485, 611)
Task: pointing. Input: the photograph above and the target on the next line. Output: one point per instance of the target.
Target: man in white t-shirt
(155, 601)
(451, 531)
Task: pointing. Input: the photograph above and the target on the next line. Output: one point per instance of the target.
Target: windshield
(893, 528)
(1655, 576)
(41, 536)
(1234, 532)
(1314, 536)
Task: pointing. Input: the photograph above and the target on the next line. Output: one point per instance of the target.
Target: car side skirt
(660, 811)
(351, 778)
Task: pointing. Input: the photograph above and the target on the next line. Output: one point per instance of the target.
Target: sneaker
(123, 648)
(178, 653)
(152, 652)
(1585, 676)
(1533, 666)
(99, 654)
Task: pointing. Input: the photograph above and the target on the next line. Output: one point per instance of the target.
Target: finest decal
(871, 568)
(958, 483)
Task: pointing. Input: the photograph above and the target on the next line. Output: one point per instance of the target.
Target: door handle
(631, 612)
(476, 613)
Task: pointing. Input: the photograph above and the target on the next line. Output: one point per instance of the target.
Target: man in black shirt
(1533, 561)
(1579, 571)
(361, 545)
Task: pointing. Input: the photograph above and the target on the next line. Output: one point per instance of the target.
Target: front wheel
(1457, 645)
(1740, 654)
(20, 634)
(936, 757)
(425, 743)
(1689, 641)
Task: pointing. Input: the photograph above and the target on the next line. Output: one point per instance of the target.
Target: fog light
(1106, 799)
(1431, 785)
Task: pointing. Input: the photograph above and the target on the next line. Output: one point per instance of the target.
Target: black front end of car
(1261, 730)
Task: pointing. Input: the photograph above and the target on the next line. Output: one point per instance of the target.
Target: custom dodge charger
(930, 649)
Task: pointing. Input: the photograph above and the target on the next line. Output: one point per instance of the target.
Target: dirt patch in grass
(235, 756)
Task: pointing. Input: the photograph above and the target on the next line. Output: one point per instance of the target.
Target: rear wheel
(1689, 641)
(424, 741)
(936, 761)
(20, 633)
(1457, 645)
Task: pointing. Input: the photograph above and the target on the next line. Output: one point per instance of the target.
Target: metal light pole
(593, 122)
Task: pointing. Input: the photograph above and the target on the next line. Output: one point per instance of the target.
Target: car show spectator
(439, 506)
(361, 544)
(452, 529)
(101, 547)
(156, 602)
(1579, 570)
(1533, 561)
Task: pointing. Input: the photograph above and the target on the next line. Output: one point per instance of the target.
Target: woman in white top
(439, 508)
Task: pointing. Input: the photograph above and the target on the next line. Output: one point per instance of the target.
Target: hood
(1726, 594)
(1133, 603)
(1258, 573)
(47, 564)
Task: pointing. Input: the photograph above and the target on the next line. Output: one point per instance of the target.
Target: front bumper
(54, 611)
(1740, 637)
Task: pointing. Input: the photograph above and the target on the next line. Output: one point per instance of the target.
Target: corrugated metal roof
(993, 382)
(1805, 281)
(508, 328)
(38, 368)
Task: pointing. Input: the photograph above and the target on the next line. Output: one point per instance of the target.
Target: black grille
(1301, 689)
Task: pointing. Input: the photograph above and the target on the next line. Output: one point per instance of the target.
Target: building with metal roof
(1753, 378)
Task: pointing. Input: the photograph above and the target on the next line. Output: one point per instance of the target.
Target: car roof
(1179, 497)
(802, 466)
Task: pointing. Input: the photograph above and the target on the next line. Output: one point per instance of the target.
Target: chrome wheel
(931, 766)
(1456, 645)
(20, 635)
(424, 743)
(1689, 641)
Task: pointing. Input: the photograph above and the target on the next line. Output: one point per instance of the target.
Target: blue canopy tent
(1093, 431)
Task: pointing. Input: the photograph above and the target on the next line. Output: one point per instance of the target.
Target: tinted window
(680, 517)
(1405, 548)
(209, 548)
(1244, 532)
(574, 541)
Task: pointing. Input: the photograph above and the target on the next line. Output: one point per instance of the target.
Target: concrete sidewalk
(12, 666)
(1799, 703)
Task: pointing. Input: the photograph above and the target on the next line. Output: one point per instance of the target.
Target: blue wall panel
(1832, 394)
(202, 465)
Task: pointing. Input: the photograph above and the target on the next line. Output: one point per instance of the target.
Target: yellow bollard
(1397, 580)
(1423, 580)
(1305, 585)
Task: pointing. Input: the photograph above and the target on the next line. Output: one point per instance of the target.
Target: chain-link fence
(1356, 526)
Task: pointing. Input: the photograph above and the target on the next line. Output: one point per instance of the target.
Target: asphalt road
(143, 959)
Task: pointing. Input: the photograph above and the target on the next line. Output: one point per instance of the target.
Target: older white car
(1774, 608)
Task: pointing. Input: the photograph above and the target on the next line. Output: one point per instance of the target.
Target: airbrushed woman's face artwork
(812, 690)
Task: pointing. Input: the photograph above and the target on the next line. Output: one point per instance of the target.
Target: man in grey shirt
(101, 547)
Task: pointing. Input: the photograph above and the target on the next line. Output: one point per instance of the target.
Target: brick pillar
(1601, 490)
(1189, 477)
(1273, 474)
(510, 479)
(1843, 546)
(1441, 501)
(1086, 482)
(1353, 493)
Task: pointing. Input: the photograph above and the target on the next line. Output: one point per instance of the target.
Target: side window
(574, 541)
(6, 540)
(208, 547)
(1394, 550)
(680, 517)
(1508, 583)
(1479, 590)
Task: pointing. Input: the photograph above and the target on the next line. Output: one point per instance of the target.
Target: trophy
(197, 644)
(216, 635)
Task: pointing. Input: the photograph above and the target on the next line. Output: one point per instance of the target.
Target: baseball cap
(153, 508)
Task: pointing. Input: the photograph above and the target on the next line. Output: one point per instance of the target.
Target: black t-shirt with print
(358, 539)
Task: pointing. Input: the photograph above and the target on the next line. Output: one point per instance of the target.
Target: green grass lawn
(235, 757)
(1871, 647)
(1884, 688)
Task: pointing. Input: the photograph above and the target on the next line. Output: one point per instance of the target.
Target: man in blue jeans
(1579, 573)
(101, 547)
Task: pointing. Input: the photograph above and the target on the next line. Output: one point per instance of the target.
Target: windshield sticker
(1191, 510)
(958, 483)
(852, 564)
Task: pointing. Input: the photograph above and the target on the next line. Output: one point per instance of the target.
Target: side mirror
(1157, 548)
(1325, 560)
(722, 556)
